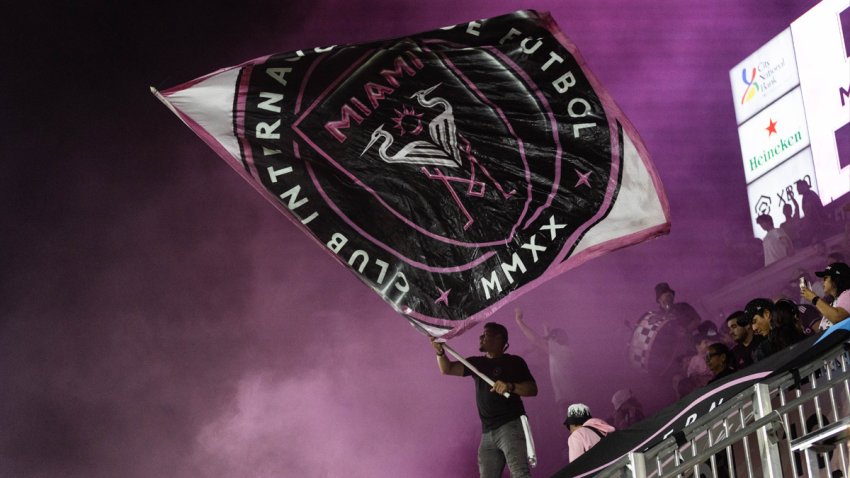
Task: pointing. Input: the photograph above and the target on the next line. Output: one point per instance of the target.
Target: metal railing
(793, 424)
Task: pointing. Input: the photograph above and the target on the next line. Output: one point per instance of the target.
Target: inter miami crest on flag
(451, 170)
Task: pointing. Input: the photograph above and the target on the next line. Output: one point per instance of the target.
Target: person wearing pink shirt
(585, 431)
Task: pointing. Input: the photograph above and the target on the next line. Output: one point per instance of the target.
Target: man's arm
(796, 213)
(523, 389)
(447, 367)
(536, 339)
(832, 314)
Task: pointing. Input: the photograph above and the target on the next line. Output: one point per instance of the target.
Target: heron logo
(425, 112)
(441, 150)
(749, 79)
(411, 111)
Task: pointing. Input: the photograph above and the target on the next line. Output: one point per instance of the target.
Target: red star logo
(771, 128)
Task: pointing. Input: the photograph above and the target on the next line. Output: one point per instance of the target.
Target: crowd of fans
(762, 328)
(697, 352)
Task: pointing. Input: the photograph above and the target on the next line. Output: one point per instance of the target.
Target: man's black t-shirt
(744, 354)
(495, 410)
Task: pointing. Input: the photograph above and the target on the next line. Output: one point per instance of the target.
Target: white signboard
(821, 43)
(764, 76)
(773, 135)
(771, 192)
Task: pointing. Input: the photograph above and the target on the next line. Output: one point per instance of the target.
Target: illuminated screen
(792, 104)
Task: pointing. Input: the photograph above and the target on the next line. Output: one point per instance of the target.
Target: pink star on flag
(582, 178)
(444, 296)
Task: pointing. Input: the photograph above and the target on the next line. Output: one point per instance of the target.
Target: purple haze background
(159, 318)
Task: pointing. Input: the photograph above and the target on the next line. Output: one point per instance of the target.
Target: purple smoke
(159, 318)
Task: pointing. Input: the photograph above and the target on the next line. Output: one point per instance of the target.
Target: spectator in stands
(746, 341)
(697, 369)
(814, 215)
(720, 360)
(779, 324)
(791, 211)
(585, 431)
(794, 284)
(555, 345)
(696, 372)
(708, 329)
(835, 256)
(627, 409)
(836, 283)
(682, 312)
(809, 315)
(776, 242)
(681, 385)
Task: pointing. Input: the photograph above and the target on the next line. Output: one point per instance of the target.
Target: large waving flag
(451, 170)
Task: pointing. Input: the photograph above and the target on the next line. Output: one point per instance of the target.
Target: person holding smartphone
(836, 283)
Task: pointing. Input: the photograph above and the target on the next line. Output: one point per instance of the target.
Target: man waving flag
(451, 170)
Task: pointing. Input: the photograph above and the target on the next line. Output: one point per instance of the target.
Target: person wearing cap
(502, 435)
(779, 324)
(585, 431)
(745, 338)
(627, 409)
(836, 283)
(682, 312)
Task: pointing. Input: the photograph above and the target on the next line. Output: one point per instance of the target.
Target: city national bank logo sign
(773, 136)
(764, 76)
(759, 80)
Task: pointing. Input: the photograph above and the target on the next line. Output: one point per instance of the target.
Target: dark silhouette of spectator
(814, 217)
(776, 243)
(791, 211)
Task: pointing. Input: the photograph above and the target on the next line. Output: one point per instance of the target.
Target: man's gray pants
(504, 445)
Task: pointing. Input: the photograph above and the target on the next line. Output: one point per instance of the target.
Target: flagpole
(456, 355)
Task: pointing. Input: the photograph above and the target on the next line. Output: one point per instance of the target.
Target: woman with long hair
(836, 283)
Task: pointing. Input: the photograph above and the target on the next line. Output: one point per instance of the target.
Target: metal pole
(456, 355)
(769, 452)
(471, 367)
(638, 462)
